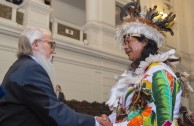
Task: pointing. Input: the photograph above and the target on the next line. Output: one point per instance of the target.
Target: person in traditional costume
(148, 93)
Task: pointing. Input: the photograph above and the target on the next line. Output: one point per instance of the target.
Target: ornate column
(100, 30)
(100, 21)
(37, 14)
(92, 9)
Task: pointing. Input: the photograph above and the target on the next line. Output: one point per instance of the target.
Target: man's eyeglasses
(51, 43)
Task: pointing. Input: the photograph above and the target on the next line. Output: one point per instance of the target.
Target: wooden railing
(91, 108)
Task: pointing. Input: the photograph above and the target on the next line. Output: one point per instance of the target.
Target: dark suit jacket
(31, 101)
(2, 93)
(61, 97)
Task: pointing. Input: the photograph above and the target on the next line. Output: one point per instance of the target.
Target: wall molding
(8, 48)
(72, 47)
(75, 46)
(10, 31)
(100, 26)
(87, 65)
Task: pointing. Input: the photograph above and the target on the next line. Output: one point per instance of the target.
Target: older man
(30, 99)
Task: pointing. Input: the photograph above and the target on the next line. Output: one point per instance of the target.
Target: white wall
(7, 53)
(68, 13)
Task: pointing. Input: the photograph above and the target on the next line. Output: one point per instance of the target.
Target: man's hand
(104, 120)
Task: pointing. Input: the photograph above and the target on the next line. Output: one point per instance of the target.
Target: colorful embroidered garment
(150, 96)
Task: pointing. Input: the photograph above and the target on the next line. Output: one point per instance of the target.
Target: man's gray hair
(26, 39)
(24, 47)
(34, 33)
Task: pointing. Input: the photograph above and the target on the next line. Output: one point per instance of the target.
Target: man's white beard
(46, 64)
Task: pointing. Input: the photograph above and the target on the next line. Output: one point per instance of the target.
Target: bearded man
(30, 99)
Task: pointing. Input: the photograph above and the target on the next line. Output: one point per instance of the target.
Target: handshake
(104, 120)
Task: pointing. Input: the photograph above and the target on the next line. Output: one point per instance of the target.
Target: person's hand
(104, 120)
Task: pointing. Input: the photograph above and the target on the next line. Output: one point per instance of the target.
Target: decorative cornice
(72, 46)
(100, 26)
(13, 49)
(87, 65)
(8, 48)
(11, 32)
(78, 47)
(7, 34)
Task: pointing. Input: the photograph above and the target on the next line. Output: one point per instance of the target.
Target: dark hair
(59, 86)
(150, 48)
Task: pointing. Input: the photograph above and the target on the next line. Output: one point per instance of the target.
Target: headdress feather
(137, 22)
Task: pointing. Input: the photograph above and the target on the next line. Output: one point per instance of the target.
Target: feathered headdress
(135, 22)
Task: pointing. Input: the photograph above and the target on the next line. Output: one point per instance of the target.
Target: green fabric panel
(162, 97)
